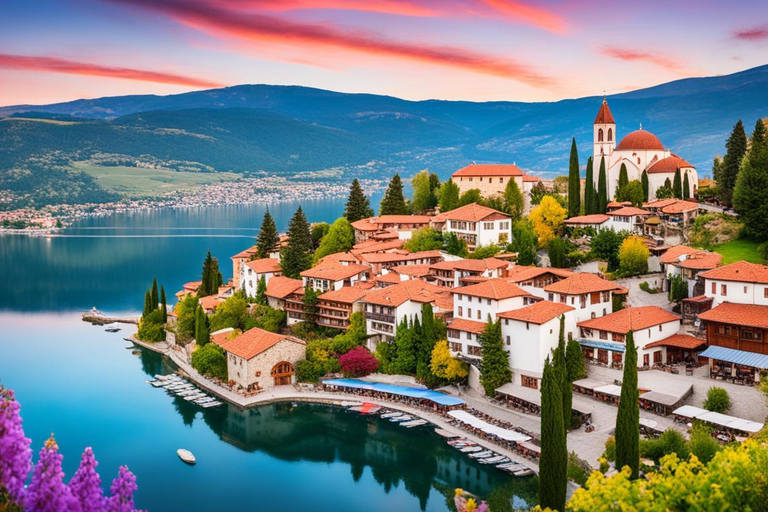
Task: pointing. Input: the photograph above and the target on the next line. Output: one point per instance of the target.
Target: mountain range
(285, 130)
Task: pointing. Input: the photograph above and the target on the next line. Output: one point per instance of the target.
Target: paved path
(638, 297)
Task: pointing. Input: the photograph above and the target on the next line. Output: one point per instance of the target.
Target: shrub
(577, 470)
(647, 288)
(633, 256)
(669, 442)
(358, 362)
(678, 288)
(610, 449)
(149, 331)
(211, 361)
(717, 400)
(702, 444)
(268, 318)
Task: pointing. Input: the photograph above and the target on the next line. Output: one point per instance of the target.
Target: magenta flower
(47, 492)
(122, 490)
(85, 485)
(15, 454)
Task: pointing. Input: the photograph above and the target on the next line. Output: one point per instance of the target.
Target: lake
(88, 387)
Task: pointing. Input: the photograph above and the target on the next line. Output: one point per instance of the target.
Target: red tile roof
(377, 246)
(345, 294)
(192, 286)
(660, 203)
(481, 265)
(497, 289)
(640, 140)
(462, 324)
(680, 207)
(389, 277)
(211, 302)
(521, 273)
(581, 283)
(683, 341)
(604, 115)
(669, 165)
(694, 259)
(489, 170)
(472, 212)
(336, 273)
(627, 319)
(537, 313)
(397, 294)
(264, 266)
(280, 287)
(412, 270)
(396, 256)
(749, 315)
(252, 342)
(629, 211)
(245, 254)
(740, 271)
(596, 218)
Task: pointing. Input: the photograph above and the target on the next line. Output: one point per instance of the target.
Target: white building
(475, 224)
(330, 278)
(689, 263)
(403, 225)
(492, 179)
(590, 295)
(739, 282)
(455, 273)
(627, 218)
(252, 271)
(595, 221)
(639, 151)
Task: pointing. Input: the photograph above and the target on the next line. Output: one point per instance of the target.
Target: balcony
(380, 317)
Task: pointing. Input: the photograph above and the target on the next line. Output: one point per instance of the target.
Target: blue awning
(606, 345)
(730, 355)
(427, 394)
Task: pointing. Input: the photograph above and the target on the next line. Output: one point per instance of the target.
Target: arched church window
(600, 135)
(610, 134)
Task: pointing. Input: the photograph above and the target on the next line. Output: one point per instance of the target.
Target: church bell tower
(604, 134)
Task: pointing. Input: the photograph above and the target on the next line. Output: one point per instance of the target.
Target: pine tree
(268, 238)
(736, 148)
(202, 331)
(514, 203)
(686, 187)
(749, 198)
(261, 291)
(677, 185)
(628, 418)
(602, 189)
(646, 186)
(424, 197)
(211, 277)
(393, 202)
(163, 304)
(758, 134)
(358, 205)
(155, 296)
(589, 188)
(623, 180)
(553, 479)
(297, 254)
(574, 182)
(448, 196)
(147, 304)
(494, 366)
(310, 301)
(560, 368)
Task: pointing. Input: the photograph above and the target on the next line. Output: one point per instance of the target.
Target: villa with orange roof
(238, 260)
(475, 224)
(334, 277)
(689, 263)
(335, 306)
(279, 288)
(492, 179)
(402, 225)
(595, 221)
(251, 272)
(590, 295)
(628, 218)
(455, 273)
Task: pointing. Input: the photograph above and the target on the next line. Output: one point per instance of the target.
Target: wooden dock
(96, 317)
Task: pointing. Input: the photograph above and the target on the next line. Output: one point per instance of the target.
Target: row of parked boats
(485, 456)
(404, 420)
(180, 387)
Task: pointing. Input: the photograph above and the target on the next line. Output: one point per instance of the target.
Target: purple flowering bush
(47, 491)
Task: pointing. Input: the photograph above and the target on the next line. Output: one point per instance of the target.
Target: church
(639, 151)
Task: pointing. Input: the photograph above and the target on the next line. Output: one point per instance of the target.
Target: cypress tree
(163, 305)
(553, 479)
(602, 188)
(393, 202)
(514, 203)
(358, 206)
(628, 418)
(736, 148)
(211, 277)
(405, 349)
(202, 332)
(574, 182)
(268, 237)
(297, 254)
(589, 188)
(749, 198)
(147, 304)
(448, 197)
(561, 369)
(646, 186)
(623, 180)
(155, 296)
(261, 291)
(429, 337)
(686, 187)
(677, 186)
(574, 361)
(494, 366)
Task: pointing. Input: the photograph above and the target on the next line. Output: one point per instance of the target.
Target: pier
(96, 317)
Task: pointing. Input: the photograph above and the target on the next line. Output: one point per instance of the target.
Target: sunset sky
(58, 50)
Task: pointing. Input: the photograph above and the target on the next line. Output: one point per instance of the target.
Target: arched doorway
(282, 373)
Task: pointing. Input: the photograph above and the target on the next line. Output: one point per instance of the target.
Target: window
(750, 334)
(455, 347)
(659, 328)
(475, 351)
(603, 335)
(551, 296)
(529, 382)
(501, 180)
(488, 225)
(765, 293)
(657, 357)
(600, 135)
(490, 180)
(724, 329)
(469, 336)
(723, 290)
(745, 289)
(714, 289)
(488, 301)
(461, 311)
(478, 314)
(469, 312)
(507, 340)
(610, 134)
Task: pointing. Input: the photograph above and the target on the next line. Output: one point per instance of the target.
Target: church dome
(640, 139)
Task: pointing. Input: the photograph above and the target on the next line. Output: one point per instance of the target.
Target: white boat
(211, 404)
(196, 396)
(186, 456)
(204, 399)
(464, 442)
(523, 472)
(481, 454)
(414, 423)
(510, 465)
(391, 415)
(500, 459)
(472, 449)
(401, 418)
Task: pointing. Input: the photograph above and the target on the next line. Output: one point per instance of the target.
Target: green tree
(553, 464)
(163, 304)
(472, 195)
(358, 205)
(155, 295)
(628, 418)
(702, 444)
(296, 257)
(449, 196)
(233, 313)
(430, 334)
(424, 239)
(605, 246)
(211, 278)
(677, 185)
(749, 198)
(494, 366)
(340, 238)
(686, 187)
(317, 231)
(589, 189)
(268, 238)
(602, 188)
(454, 245)
(261, 291)
(574, 360)
(557, 249)
(623, 179)
(574, 182)
(632, 192)
(424, 197)
(560, 369)
(717, 400)
(514, 203)
(210, 361)
(185, 312)
(665, 191)
(202, 332)
(524, 242)
(393, 202)
(310, 301)
(147, 304)
(482, 252)
(406, 346)
(736, 148)
(644, 182)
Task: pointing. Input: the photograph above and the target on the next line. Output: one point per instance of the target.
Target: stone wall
(258, 369)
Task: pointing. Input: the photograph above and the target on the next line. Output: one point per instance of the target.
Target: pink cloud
(57, 65)
(630, 55)
(398, 7)
(534, 16)
(752, 34)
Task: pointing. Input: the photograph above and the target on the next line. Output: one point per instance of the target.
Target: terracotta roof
(627, 319)
(669, 165)
(397, 294)
(530, 178)
(395, 256)
(489, 170)
(695, 259)
(660, 203)
(245, 254)
(402, 219)
(210, 302)
(280, 287)
(481, 265)
(629, 211)
(750, 315)
(578, 284)
(252, 342)
(336, 260)
(365, 225)
(699, 298)
(192, 286)
(680, 207)
(389, 277)
(596, 218)
(497, 289)
(640, 140)
(345, 294)
(412, 270)
(683, 341)
(472, 212)
(462, 324)
(335, 273)
(617, 204)
(538, 312)
(264, 266)
(604, 115)
(740, 271)
(520, 273)
(377, 246)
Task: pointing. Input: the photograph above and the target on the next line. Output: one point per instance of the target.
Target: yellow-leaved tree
(633, 256)
(547, 219)
(445, 366)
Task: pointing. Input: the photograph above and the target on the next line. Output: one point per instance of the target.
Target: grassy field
(739, 249)
(34, 120)
(138, 182)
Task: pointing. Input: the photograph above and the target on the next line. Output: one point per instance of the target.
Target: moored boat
(186, 456)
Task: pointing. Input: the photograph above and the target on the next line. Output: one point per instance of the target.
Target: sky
(478, 50)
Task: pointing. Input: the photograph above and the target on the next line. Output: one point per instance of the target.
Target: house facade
(475, 224)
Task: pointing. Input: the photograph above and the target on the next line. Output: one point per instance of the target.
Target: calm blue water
(85, 386)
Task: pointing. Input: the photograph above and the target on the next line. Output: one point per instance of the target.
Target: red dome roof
(670, 164)
(640, 139)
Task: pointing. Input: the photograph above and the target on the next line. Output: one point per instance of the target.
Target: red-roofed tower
(604, 132)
